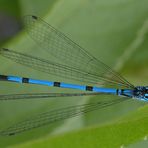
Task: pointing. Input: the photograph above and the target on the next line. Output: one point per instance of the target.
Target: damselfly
(75, 64)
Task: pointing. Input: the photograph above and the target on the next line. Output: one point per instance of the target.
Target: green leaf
(110, 31)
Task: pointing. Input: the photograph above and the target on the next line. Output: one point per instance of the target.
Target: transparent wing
(60, 70)
(8, 97)
(56, 115)
(70, 53)
(76, 63)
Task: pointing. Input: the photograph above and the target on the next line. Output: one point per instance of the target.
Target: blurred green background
(116, 32)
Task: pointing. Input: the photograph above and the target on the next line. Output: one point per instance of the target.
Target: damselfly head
(141, 92)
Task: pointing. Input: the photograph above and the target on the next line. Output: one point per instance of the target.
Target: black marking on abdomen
(117, 91)
(25, 80)
(89, 88)
(57, 84)
(3, 78)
